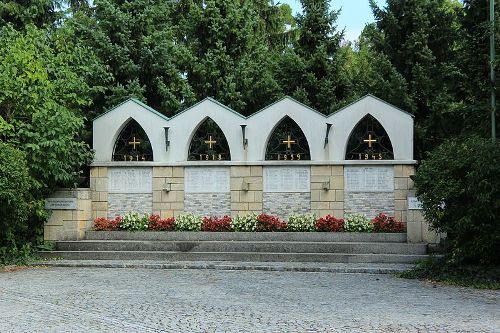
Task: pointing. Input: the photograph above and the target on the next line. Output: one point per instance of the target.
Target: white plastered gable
(397, 123)
(259, 127)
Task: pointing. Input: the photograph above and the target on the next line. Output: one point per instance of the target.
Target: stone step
(248, 236)
(243, 246)
(233, 256)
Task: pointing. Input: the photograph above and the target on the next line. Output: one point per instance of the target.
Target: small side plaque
(60, 203)
(414, 203)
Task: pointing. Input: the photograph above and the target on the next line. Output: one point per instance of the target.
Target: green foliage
(188, 222)
(441, 270)
(133, 221)
(357, 223)
(39, 92)
(310, 71)
(244, 222)
(22, 13)
(421, 40)
(15, 200)
(459, 188)
(304, 222)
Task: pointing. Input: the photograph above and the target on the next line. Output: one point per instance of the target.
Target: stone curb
(374, 269)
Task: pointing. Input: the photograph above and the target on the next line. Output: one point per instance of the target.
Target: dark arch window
(288, 142)
(209, 143)
(132, 144)
(369, 141)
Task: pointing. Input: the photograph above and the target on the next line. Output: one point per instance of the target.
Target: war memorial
(211, 161)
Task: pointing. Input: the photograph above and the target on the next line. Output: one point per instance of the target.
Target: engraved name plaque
(287, 179)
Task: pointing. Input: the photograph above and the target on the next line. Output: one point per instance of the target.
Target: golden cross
(209, 142)
(370, 140)
(289, 141)
(134, 143)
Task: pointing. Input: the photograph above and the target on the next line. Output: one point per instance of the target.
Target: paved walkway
(65, 299)
(373, 268)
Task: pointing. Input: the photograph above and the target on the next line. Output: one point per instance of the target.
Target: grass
(467, 275)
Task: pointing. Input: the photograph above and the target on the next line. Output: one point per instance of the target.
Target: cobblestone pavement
(61, 299)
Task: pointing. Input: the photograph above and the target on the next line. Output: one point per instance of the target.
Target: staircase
(241, 246)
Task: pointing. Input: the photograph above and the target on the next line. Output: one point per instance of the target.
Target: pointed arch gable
(132, 143)
(287, 141)
(368, 140)
(397, 124)
(208, 141)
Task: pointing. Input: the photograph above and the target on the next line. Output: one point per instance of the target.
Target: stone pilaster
(246, 190)
(168, 191)
(329, 200)
(99, 191)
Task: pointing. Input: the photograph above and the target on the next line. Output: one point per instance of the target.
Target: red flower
(384, 223)
(213, 223)
(104, 224)
(266, 222)
(158, 224)
(329, 224)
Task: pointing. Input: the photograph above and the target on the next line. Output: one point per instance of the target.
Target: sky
(353, 17)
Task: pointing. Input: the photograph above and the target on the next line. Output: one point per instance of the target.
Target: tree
(230, 57)
(474, 57)
(460, 192)
(310, 71)
(14, 200)
(135, 42)
(40, 94)
(421, 38)
(369, 71)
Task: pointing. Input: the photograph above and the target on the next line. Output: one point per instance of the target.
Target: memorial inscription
(369, 179)
(130, 180)
(287, 179)
(207, 179)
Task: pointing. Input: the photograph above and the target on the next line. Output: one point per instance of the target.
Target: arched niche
(287, 142)
(369, 141)
(132, 144)
(209, 143)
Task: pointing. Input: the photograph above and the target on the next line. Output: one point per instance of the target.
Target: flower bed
(251, 222)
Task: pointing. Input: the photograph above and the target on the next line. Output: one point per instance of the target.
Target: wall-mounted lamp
(325, 185)
(328, 126)
(245, 140)
(167, 142)
(245, 186)
(167, 187)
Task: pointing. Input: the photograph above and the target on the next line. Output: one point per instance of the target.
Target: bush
(266, 222)
(135, 222)
(329, 224)
(188, 222)
(244, 222)
(440, 269)
(303, 222)
(15, 186)
(384, 223)
(216, 224)
(357, 223)
(459, 187)
(158, 224)
(104, 224)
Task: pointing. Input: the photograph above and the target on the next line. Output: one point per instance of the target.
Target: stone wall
(286, 203)
(122, 203)
(69, 224)
(402, 186)
(246, 189)
(369, 203)
(327, 190)
(99, 191)
(327, 196)
(208, 204)
(168, 190)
